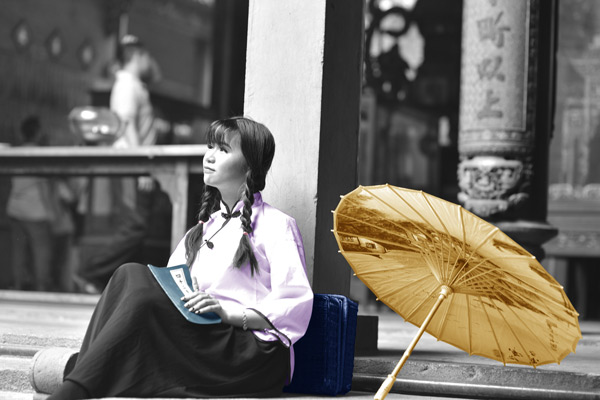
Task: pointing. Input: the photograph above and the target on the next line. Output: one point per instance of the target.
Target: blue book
(177, 282)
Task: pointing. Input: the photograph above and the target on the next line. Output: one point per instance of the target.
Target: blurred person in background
(30, 209)
(65, 194)
(130, 98)
(133, 197)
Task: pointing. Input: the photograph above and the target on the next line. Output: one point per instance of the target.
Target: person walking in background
(130, 98)
(65, 194)
(133, 197)
(42, 223)
(30, 211)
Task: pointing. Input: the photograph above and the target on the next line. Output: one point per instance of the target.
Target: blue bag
(325, 355)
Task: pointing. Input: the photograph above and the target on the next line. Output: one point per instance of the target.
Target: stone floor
(32, 321)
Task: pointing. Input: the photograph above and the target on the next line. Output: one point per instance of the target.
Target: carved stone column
(506, 116)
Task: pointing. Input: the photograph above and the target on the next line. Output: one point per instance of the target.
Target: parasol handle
(386, 386)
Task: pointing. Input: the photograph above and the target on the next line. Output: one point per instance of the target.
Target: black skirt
(138, 345)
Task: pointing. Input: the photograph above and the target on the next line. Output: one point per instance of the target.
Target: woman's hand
(200, 302)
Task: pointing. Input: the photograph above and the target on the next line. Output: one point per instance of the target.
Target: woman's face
(225, 166)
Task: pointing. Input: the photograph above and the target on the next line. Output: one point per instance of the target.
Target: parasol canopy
(456, 276)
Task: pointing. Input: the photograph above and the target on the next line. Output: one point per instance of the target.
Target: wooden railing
(171, 166)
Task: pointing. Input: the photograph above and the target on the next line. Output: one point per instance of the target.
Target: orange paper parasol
(454, 275)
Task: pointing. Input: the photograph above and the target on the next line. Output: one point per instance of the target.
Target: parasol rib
(430, 261)
(364, 253)
(490, 270)
(439, 254)
(376, 271)
(487, 315)
(459, 281)
(522, 284)
(424, 219)
(527, 326)
(419, 305)
(445, 229)
(533, 290)
(443, 320)
(400, 289)
(470, 351)
(398, 212)
(371, 238)
(463, 242)
(525, 300)
(372, 213)
(378, 227)
(463, 282)
(492, 232)
(464, 230)
(509, 327)
(512, 274)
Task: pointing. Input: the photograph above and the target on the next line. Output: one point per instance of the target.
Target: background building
(57, 55)
(54, 56)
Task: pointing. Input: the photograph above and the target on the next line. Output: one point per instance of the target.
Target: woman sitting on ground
(247, 262)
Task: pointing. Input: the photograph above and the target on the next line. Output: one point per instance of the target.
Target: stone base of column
(529, 234)
(367, 335)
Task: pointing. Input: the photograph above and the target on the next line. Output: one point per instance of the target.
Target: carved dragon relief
(492, 185)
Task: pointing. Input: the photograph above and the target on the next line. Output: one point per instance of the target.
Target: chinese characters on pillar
(495, 65)
(492, 30)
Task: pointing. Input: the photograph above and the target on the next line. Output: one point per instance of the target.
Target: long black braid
(193, 240)
(244, 251)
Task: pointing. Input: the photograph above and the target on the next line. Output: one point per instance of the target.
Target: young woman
(247, 262)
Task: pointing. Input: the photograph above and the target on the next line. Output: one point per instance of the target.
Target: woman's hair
(258, 148)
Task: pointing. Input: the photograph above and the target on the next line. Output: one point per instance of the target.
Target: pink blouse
(280, 290)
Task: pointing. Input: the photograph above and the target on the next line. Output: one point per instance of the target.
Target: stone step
(14, 374)
(475, 381)
(32, 321)
(417, 378)
(15, 396)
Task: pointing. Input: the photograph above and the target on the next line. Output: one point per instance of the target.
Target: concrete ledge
(49, 297)
(475, 381)
(18, 350)
(470, 390)
(28, 345)
(350, 395)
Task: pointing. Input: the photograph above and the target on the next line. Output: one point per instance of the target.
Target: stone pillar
(303, 80)
(506, 115)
